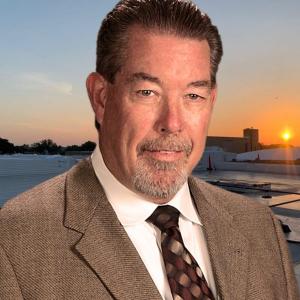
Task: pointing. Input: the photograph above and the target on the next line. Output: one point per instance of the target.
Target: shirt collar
(132, 208)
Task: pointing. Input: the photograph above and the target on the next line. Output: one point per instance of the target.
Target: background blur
(48, 49)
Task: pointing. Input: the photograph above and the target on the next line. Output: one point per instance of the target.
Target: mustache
(165, 143)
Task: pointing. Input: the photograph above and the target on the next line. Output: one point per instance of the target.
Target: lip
(165, 155)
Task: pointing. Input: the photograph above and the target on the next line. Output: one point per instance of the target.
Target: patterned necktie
(184, 275)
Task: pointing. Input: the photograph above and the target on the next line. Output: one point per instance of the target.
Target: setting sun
(286, 135)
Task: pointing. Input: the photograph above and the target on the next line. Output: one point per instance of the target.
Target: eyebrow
(147, 77)
(144, 77)
(200, 83)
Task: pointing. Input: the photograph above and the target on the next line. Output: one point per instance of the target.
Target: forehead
(155, 52)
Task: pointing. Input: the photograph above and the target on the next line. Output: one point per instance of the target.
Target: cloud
(40, 81)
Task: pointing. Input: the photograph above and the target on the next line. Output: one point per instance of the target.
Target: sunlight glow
(286, 136)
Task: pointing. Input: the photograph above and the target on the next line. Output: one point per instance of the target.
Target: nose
(170, 119)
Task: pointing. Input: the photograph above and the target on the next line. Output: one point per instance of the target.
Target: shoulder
(37, 197)
(45, 203)
(221, 199)
(255, 221)
(26, 213)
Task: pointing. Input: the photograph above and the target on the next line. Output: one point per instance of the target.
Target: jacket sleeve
(9, 288)
(292, 287)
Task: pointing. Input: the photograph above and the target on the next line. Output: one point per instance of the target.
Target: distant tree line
(46, 146)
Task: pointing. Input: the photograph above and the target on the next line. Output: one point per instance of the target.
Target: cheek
(136, 126)
(198, 124)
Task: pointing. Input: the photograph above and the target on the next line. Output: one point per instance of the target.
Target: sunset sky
(48, 48)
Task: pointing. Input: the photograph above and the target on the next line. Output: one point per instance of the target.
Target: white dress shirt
(133, 210)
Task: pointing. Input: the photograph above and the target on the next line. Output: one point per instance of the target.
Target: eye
(195, 97)
(145, 93)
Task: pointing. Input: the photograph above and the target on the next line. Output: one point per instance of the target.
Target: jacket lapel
(104, 245)
(228, 248)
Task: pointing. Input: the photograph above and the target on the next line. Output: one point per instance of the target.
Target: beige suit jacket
(62, 240)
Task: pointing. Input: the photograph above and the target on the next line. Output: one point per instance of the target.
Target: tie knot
(165, 217)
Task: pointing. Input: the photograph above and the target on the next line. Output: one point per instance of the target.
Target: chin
(159, 188)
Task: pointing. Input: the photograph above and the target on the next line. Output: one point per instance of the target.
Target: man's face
(154, 118)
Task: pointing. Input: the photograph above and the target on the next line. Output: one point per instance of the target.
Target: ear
(97, 90)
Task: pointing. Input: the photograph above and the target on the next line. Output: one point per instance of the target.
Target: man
(128, 223)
